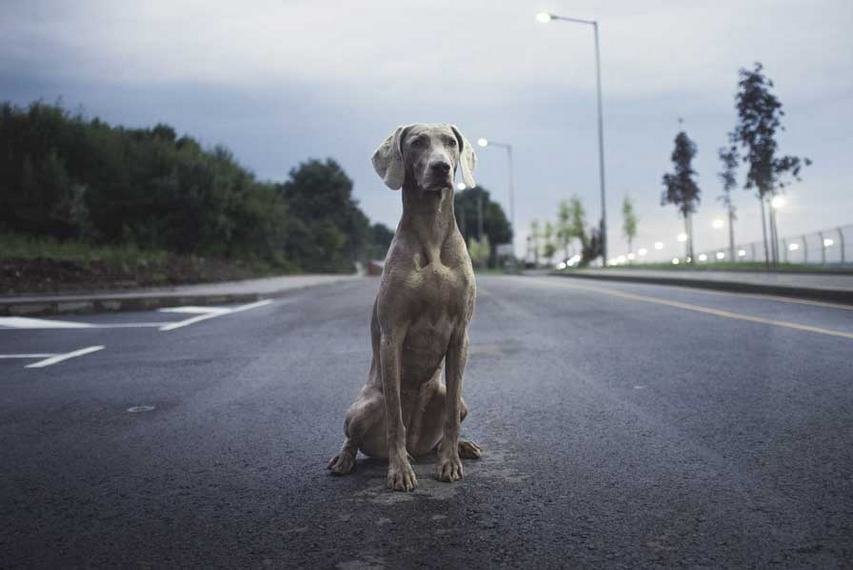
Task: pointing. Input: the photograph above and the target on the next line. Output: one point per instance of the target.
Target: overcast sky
(282, 81)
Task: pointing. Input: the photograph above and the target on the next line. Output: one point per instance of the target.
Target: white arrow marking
(61, 357)
(207, 313)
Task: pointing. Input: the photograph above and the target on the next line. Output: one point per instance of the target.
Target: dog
(420, 317)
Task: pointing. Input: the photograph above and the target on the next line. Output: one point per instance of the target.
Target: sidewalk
(144, 299)
(828, 287)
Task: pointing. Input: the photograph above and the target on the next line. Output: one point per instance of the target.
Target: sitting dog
(420, 316)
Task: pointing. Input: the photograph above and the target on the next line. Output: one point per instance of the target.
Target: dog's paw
(469, 449)
(342, 464)
(449, 468)
(401, 476)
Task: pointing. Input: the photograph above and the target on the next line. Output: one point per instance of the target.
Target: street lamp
(544, 18)
(717, 223)
(484, 143)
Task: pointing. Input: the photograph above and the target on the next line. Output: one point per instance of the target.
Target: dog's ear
(467, 158)
(388, 159)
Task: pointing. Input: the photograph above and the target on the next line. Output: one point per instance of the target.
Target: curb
(115, 302)
(842, 296)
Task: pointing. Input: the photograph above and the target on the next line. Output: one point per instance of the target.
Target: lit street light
(682, 237)
(484, 143)
(717, 223)
(544, 18)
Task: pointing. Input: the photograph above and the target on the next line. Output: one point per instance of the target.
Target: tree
(548, 247)
(680, 188)
(564, 234)
(479, 250)
(534, 238)
(629, 222)
(380, 240)
(759, 117)
(335, 232)
(591, 247)
(728, 157)
(466, 206)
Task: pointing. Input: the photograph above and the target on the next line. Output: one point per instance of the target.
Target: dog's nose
(440, 167)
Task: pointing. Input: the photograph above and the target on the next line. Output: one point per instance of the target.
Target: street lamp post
(545, 17)
(484, 143)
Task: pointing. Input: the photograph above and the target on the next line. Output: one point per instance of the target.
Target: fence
(827, 247)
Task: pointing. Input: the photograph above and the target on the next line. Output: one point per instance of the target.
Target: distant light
(483, 142)
(703, 257)
(794, 247)
(620, 259)
(611, 261)
(544, 17)
(717, 223)
(461, 186)
(777, 202)
(658, 245)
(689, 259)
(561, 265)
(642, 251)
(631, 257)
(828, 242)
(675, 261)
(741, 253)
(682, 237)
(721, 255)
(574, 259)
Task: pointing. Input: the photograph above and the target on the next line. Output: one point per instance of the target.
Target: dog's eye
(451, 142)
(419, 142)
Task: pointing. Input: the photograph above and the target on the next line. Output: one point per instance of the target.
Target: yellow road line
(709, 311)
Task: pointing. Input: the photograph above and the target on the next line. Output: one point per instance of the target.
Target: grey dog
(421, 316)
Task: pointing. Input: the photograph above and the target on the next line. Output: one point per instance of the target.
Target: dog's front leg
(449, 465)
(401, 476)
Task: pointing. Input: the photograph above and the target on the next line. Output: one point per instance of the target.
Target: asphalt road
(623, 426)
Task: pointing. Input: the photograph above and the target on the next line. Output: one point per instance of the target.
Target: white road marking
(208, 313)
(56, 358)
(28, 323)
(195, 310)
(201, 314)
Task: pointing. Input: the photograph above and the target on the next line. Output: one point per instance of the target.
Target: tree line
(752, 143)
(70, 177)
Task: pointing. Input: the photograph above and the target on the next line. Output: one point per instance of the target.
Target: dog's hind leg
(344, 461)
(358, 428)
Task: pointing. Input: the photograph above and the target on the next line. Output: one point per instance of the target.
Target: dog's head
(425, 156)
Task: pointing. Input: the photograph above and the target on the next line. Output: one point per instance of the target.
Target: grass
(16, 246)
(44, 264)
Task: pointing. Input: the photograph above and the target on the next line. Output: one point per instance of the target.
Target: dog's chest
(441, 290)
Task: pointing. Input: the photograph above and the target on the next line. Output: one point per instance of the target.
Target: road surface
(623, 425)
